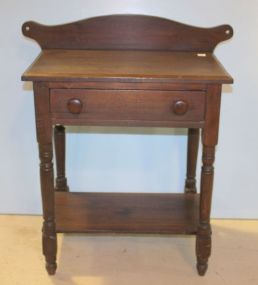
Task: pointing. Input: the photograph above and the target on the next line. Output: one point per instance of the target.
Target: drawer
(140, 105)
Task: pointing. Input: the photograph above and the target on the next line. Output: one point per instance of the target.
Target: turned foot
(203, 248)
(49, 246)
(202, 268)
(61, 184)
(51, 268)
(190, 185)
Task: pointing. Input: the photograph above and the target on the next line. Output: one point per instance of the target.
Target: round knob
(74, 106)
(180, 107)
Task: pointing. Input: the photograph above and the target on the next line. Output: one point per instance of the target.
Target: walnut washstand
(126, 70)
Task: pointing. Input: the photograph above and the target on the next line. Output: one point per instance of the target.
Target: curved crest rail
(127, 32)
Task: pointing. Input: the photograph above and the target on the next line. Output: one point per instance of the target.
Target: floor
(124, 260)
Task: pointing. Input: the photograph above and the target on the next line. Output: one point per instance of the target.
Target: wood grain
(126, 213)
(126, 66)
(130, 32)
(103, 85)
(127, 105)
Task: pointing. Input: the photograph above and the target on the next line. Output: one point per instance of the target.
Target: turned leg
(44, 138)
(59, 137)
(192, 153)
(209, 142)
(203, 242)
(49, 241)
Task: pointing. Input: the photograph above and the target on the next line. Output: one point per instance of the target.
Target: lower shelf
(126, 213)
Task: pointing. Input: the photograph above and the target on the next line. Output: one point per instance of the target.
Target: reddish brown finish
(209, 140)
(59, 138)
(180, 107)
(74, 105)
(44, 137)
(107, 85)
(126, 105)
(127, 213)
(211, 129)
(192, 153)
(62, 118)
(127, 32)
(203, 241)
(127, 70)
(126, 66)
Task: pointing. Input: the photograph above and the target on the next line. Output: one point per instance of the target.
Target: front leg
(209, 141)
(49, 241)
(44, 137)
(203, 241)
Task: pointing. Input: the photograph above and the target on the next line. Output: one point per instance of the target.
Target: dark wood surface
(192, 154)
(130, 66)
(59, 139)
(127, 70)
(134, 32)
(209, 141)
(44, 138)
(126, 213)
(126, 105)
(120, 85)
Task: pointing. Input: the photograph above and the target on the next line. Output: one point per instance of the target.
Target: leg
(49, 241)
(44, 138)
(209, 141)
(59, 136)
(203, 242)
(192, 152)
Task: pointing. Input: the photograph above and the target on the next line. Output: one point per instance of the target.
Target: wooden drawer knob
(74, 106)
(180, 107)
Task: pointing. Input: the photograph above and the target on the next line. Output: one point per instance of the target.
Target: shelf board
(126, 213)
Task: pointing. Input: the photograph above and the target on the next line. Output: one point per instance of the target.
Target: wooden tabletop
(128, 66)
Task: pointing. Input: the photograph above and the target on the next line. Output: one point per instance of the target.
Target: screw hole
(27, 28)
(227, 32)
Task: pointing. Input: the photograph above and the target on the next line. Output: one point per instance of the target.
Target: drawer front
(140, 105)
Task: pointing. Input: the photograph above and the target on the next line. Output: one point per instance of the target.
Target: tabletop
(128, 65)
